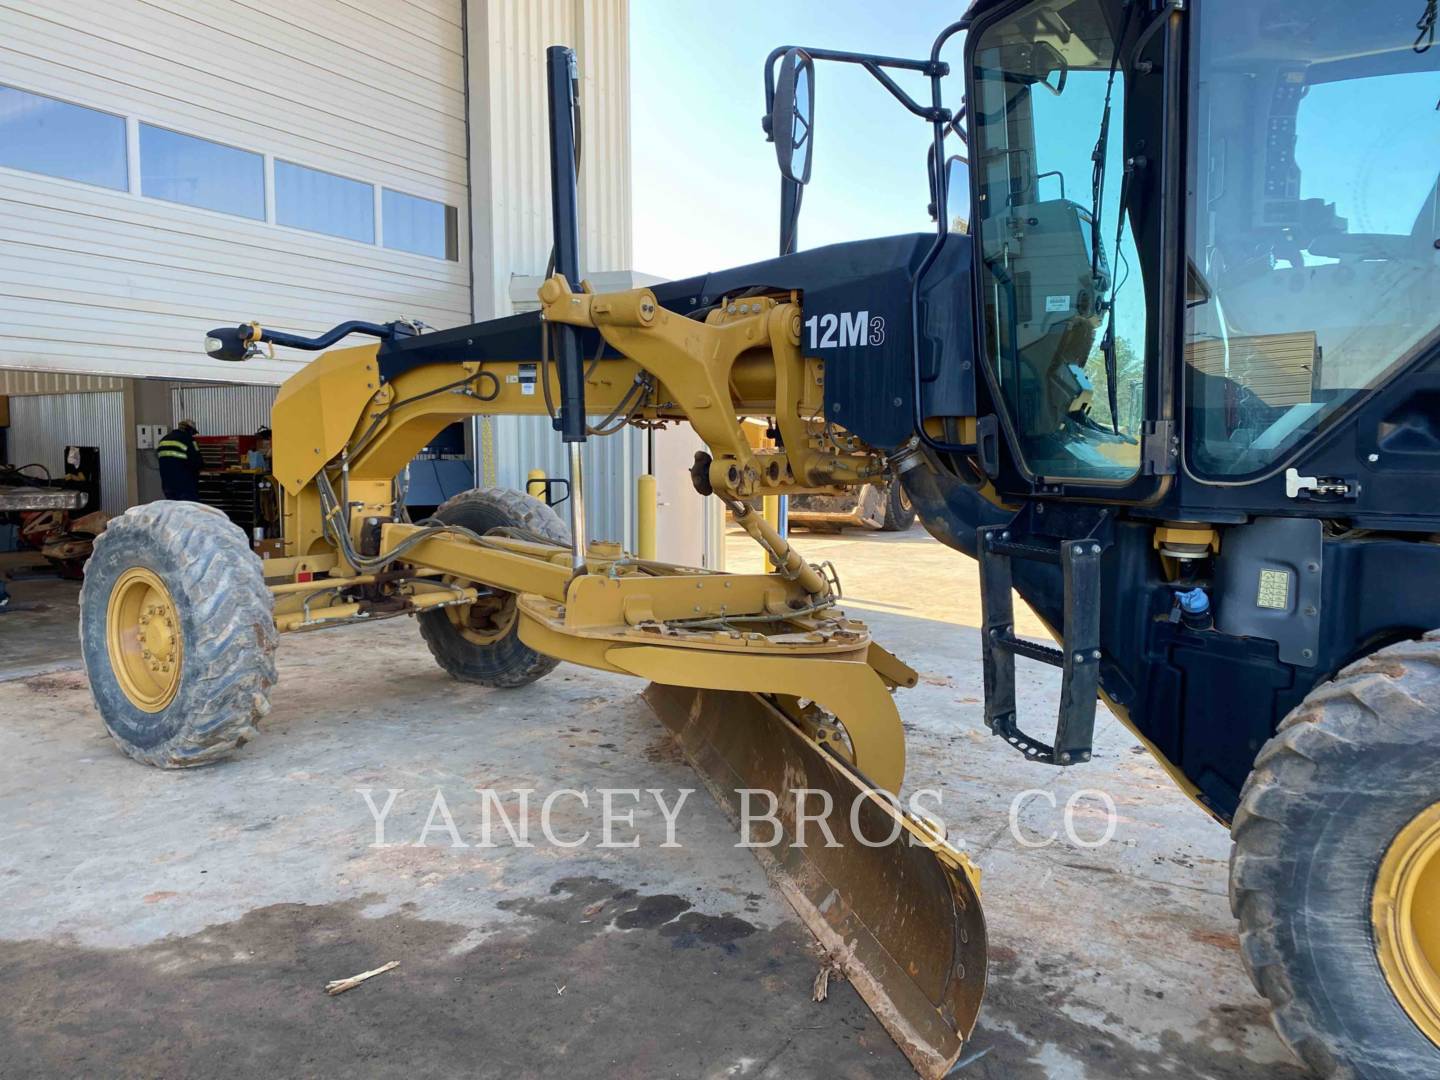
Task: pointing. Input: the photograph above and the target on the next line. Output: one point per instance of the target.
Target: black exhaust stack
(562, 84)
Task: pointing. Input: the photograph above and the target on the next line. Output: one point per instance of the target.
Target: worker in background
(180, 463)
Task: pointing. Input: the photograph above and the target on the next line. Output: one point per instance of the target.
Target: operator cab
(1314, 222)
(1305, 229)
(1047, 116)
(1201, 239)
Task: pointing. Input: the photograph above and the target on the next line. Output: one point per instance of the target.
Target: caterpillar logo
(845, 329)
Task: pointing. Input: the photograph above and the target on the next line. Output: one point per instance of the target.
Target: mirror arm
(934, 172)
(871, 63)
(790, 196)
(897, 91)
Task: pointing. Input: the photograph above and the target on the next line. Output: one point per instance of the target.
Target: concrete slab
(186, 923)
(39, 628)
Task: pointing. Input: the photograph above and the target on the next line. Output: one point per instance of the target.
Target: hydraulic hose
(789, 561)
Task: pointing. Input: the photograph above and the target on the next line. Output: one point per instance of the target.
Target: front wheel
(178, 634)
(480, 642)
(1335, 871)
(899, 513)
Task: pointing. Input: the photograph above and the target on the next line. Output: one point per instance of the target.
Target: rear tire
(178, 634)
(899, 513)
(481, 644)
(1352, 769)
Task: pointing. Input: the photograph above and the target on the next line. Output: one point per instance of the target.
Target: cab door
(1068, 242)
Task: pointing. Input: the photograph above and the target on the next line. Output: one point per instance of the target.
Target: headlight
(226, 343)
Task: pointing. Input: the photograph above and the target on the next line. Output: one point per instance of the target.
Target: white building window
(44, 135)
(420, 226)
(322, 202)
(197, 172)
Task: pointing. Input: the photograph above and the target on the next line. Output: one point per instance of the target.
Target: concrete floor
(37, 627)
(166, 924)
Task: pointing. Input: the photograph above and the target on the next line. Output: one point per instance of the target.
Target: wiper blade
(1102, 145)
(1112, 392)
(1122, 204)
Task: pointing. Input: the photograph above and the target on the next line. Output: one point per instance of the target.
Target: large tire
(1355, 764)
(178, 634)
(899, 513)
(480, 645)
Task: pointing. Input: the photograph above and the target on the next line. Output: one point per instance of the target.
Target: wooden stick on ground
(339, 986)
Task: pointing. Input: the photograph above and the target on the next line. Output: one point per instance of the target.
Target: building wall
(102, 281)
(42, 425)
(54, 382)
(510, 178)
(117, 285)
(222, 410)
(509, 151)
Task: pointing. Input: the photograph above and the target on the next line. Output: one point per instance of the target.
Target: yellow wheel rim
(143, 637)
(1406, 912)
(487, 620)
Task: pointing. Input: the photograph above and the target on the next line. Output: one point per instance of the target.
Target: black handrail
(941, 119)
(235, 343)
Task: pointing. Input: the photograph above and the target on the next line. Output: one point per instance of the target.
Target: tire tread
(519, 665)
(222, 582)
(1377, 699)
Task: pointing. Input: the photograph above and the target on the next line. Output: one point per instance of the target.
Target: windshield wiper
(1107, 343)
(1102, 145)
(1097, 196)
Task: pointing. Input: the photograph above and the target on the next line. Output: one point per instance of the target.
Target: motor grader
(1177, 383)
(883, 506)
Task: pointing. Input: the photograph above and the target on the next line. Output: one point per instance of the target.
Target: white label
(1057, 303)
(845, 330)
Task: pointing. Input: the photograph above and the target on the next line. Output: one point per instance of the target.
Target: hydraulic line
(335, 528)
(789, 562)
(369, 433)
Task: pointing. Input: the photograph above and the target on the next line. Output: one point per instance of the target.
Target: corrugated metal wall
(223, 410)
(509, 154)
(54, 382)
(42, 425)
(611, 465)
(97, 280)
(510, 181)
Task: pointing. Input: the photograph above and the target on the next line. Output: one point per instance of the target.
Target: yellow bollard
(535, 483)
(770, 507)
(646, 508)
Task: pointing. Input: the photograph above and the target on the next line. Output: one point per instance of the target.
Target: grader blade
(901, 918)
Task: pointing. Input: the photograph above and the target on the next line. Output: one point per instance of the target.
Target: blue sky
(706, 189)
(705, 181)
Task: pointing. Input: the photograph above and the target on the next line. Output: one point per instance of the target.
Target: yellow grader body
(1229, 521)
(764, 680)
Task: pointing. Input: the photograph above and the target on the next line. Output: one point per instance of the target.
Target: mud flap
(901, 918)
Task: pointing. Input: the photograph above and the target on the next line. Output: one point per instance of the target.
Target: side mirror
(792, 115)
(957, 194)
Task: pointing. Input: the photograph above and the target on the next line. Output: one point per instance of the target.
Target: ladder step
(1079, 655)
(1017, 550)
(1020, 647)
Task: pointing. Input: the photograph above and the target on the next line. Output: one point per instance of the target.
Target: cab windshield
(1064, 309)
(1314, 222)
